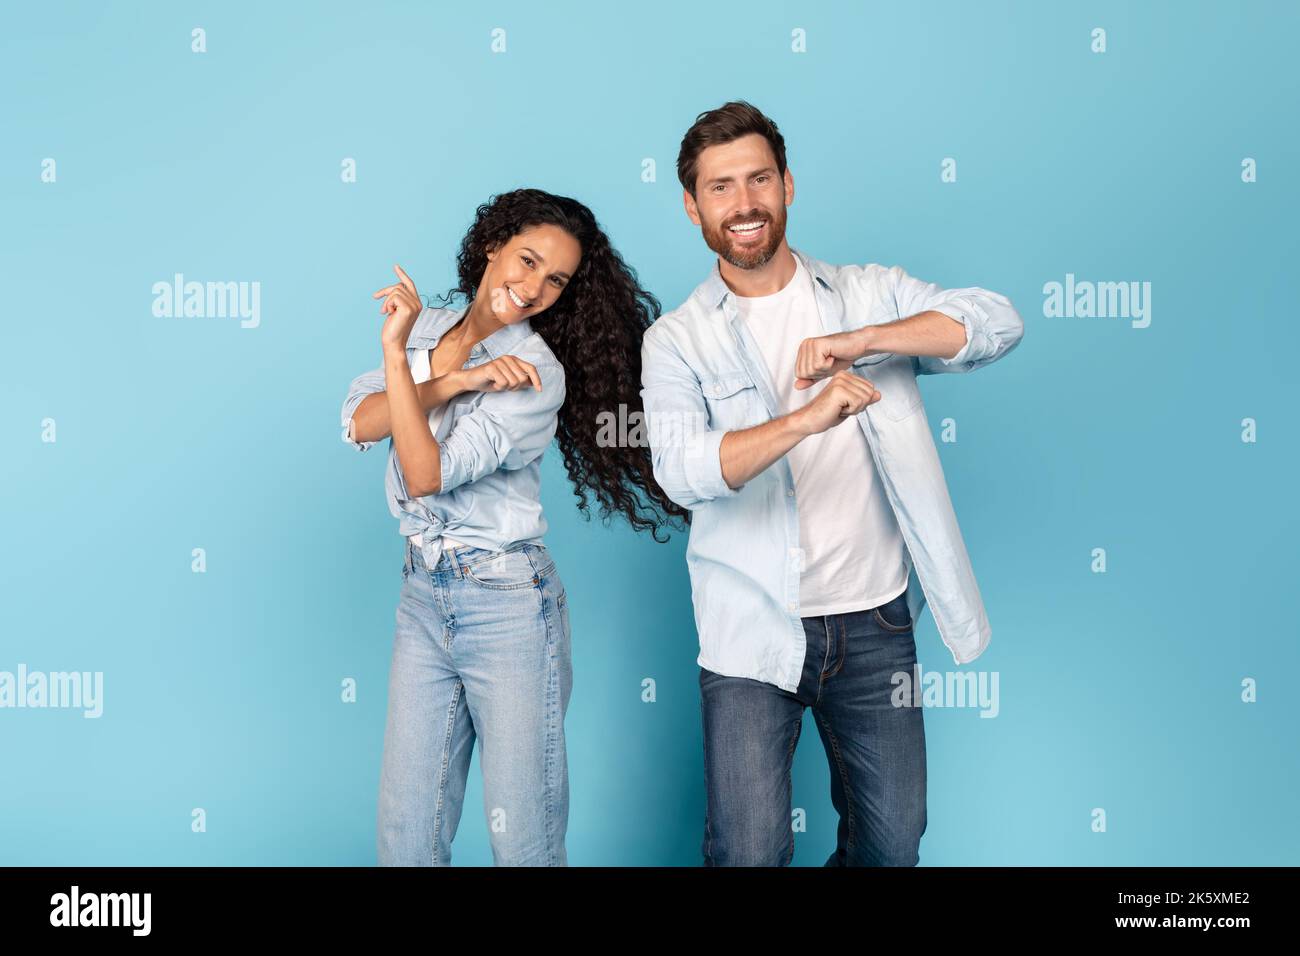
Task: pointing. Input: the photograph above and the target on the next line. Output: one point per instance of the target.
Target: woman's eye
(559, 283)
(527, 261)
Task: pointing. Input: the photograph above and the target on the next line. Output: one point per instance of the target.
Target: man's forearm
(415, 446)
(926, 333)
(749, 451)
(371, 422)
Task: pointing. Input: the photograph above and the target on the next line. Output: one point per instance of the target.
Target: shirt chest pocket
(732, 400)
(893, 377)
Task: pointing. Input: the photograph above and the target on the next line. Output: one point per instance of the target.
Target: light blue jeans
(482, 652)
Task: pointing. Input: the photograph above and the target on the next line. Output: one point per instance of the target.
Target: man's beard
(720, 240)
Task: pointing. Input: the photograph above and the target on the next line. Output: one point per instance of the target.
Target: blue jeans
(482, 652)
(876, 750)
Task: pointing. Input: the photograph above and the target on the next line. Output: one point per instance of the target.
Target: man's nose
(745, 201)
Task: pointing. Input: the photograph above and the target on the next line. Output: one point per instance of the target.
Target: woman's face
(526, 275)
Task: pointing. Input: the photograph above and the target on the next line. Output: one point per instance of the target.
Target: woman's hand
(499, 375)
(402, 306)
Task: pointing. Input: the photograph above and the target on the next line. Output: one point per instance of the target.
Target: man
(783, 411)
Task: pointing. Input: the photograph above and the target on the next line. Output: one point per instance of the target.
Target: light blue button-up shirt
(703, 376)
(490, 445)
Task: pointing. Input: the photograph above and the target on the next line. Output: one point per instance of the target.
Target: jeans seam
(708, 831)
(821, 671)
(552, 707)
(789, 785)
(440, 590)
(844, 781)
(531, 552)
(442, 775)
(844, 644)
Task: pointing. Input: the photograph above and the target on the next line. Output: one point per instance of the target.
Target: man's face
(737, 185)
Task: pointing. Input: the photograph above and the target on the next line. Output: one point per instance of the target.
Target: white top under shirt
(854, 556)
(420, 373)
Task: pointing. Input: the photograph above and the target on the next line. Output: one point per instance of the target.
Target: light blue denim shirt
(703, 376)
(490, 445)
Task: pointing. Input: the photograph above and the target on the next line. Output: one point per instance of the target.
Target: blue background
(222, 690)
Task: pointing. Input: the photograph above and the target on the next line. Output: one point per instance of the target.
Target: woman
(550, 339)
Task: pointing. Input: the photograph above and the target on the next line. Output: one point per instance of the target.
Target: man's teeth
(745, 226)
(514, 298)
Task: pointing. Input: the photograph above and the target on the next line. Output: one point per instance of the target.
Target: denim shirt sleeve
(364, 384)
(993, 326)
(685, 454)
(507, 429)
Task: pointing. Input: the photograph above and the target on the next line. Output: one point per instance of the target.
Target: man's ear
(789, 187)
(692, 211)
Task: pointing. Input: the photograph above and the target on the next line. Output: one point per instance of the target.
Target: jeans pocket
(895, 610)
(505, 571)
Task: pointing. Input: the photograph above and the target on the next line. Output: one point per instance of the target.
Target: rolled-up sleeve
(685, 454)
(364, 384)
(505, 430)
(993, 326)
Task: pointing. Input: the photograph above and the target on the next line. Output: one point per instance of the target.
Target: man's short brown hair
(723, 125)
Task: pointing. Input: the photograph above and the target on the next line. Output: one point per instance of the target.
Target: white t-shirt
(420, 373)
(854, 555)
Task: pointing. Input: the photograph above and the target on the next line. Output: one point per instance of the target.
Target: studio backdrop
(202, 576)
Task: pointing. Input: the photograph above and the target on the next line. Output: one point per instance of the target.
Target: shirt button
(790, 493)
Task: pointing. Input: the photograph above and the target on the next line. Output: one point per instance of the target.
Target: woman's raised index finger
(406, 280)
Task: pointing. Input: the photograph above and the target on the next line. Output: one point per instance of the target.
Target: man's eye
(761, 178)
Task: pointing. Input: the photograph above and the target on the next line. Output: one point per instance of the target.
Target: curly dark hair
(595, 329)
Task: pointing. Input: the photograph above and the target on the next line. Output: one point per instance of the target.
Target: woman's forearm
(371, 421)
(413, 443)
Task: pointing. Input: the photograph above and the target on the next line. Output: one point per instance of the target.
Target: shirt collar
(714, 290)
(497, 344)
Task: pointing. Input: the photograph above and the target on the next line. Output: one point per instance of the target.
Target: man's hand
(825, 355)
(845, 395)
